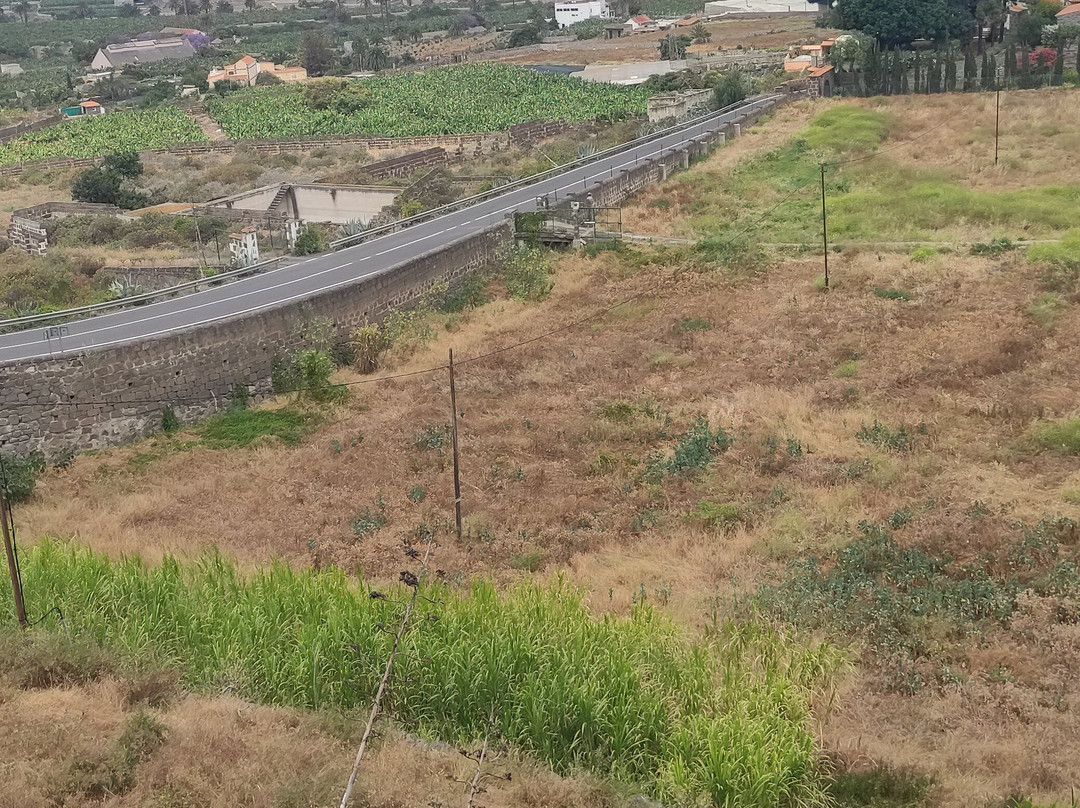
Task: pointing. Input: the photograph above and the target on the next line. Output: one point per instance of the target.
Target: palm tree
(250, 4)
(206, 6)
(700, 34)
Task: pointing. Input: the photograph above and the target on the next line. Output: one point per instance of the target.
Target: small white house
(244, 247)
(11, 69)
(568, 13)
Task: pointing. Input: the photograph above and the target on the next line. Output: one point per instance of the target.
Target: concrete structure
(11, 69)
(631, 73)
(642, 23)
(677, 105)
(335, 204)
(28, 235)
(83, 108)
(248, 69)
(721, 8)
(141, 52)
(567, 14)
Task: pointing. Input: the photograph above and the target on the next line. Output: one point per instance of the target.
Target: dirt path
(208, 125)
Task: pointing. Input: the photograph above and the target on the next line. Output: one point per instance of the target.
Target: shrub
(884, 437)
(923, 254)
(308, 241)
(170, 423)
(312, 369)
(20, 475)
(370, 341)
(730, 89)
(527, 274)
(416, 493)
(432, 437)
(845, 370)
(528, 562)
(469, 293)
(35, 660)
(993, 247)
(693, 452)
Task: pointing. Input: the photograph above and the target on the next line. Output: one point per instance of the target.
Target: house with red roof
(1070, 15)
(642, 23)
(248, 69)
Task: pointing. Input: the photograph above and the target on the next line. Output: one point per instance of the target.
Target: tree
(124, 164)
(528, 35)
(206, 6)
(315, 53)
(893, 23)
(250, 4)
(22, 8)
(224, 7)
(96, 185)
(1029, 30)
(673, 47)
(700, 34)
(731, 89)
(970, 71)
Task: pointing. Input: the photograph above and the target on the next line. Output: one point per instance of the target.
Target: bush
(170, 423)
(469, 293)
(884, 437)
(309, 241)
(921, 255)
(312, 369)
(371, 520)
(527, 274)
(33, 660)
(20, 476)
(692, 453)
(731, 89)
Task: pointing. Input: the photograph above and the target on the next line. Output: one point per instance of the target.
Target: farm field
(450, 100)
(858, 505)
(98, 135)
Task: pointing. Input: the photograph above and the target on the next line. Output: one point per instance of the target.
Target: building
(569, 13)
(722, 8)
(141, 52)
(808, 57)
(1070, 15)
(642, 23)
(83, 108)
(248, 69)
(11, 69)
(244, 247)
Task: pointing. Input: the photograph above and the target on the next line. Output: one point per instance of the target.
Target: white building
(569, 13)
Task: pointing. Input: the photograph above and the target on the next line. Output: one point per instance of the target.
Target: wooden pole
(9, 549)
(997, 120)
(824, 228)
(454, 430)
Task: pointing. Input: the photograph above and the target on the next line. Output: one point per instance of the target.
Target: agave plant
(586, 150)
(125, 286)
(353, 227)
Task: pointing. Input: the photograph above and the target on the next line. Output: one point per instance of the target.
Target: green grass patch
(879, 787)
(892, 294)
(1045, 308)
(1062, 436)
(921, 255)
(845, 370)
(845, 129)
(242, 427)
(895, 439)
(719, 515)
(630, 698)
(689, 325)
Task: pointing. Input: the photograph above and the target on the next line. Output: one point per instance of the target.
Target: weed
(469, 293)
(719, 515)
(845, 370)
(33, 660)
(732, 256)
(884, 437)
(312, 369)
(170, 424)
(115, 775)
(688, 325)
(1045, 308)
(692, 453)
(892, 294)
(899, 518)
(433, 437)
(528, 562)
(879, 787)
(371, 519)
(527, 274)
(416, 493)
(618, 412)
(921, 255)
(994, 247)
(239, 428)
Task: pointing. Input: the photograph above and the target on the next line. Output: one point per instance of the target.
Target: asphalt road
(320, 273)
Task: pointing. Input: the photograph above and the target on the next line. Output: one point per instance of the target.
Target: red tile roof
(1070, 9)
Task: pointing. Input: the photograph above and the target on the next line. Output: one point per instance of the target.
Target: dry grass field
(915, 400)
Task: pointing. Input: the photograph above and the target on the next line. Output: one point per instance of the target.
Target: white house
(141, 52)
(569, 13)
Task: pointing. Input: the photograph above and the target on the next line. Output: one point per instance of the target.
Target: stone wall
(115, 395)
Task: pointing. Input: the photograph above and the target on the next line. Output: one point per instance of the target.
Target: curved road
(325, 272)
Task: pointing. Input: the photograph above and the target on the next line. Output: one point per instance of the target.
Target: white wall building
(569, 13)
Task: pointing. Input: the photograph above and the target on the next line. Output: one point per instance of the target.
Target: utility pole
(457, 468)
(9, 548)
(997, 120)
(824, 228)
